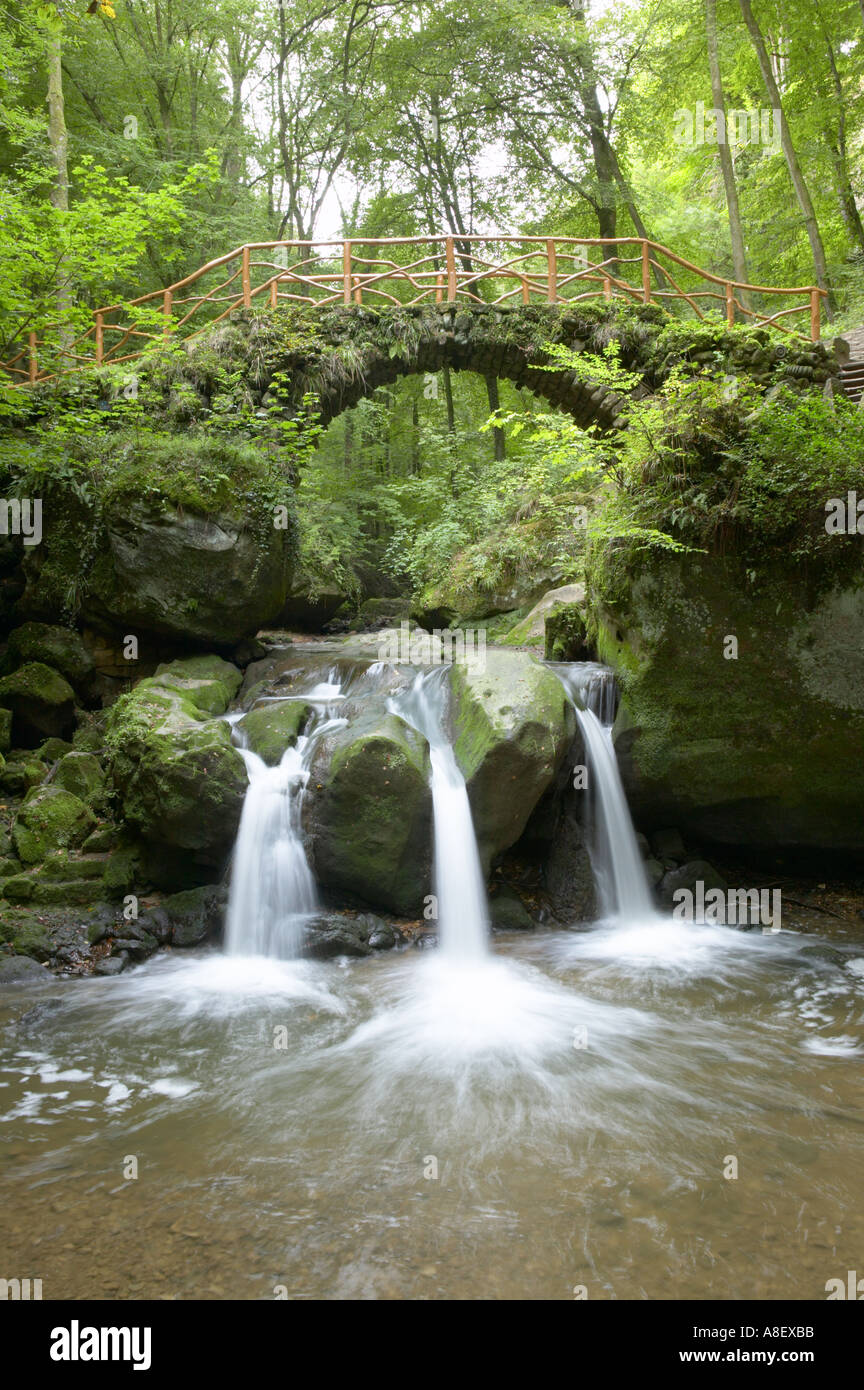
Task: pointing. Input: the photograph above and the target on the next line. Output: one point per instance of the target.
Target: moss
(16, 778)
(35, 682)
(23, 931)
(273, 727)
(5, 730)
(54, 748)
(49, 819)
(57, 647)
(81, 774)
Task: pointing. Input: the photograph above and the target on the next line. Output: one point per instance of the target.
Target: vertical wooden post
(100, 339)
(730, 305)
(167, 298)
(244, 275)
(450, 256)
(552, 262)
(274, 292)
(439, 289)
(646, 273)
(815, 315)
(525, 291)
(346, 272)
(33, 366)
(607, 287)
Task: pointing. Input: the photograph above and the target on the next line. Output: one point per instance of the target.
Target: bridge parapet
(408, 271)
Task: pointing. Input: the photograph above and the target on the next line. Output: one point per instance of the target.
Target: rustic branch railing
(403, 271)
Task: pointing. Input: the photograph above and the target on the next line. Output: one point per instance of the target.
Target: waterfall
(272, 889)
(621, 883)
(463, 915)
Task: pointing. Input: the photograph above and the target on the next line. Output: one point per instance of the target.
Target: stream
(640, 1109)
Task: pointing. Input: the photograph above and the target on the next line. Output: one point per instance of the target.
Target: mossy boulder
(49, 819)
(180, 779)
(81, 774)
(53, 749)
(532, 630)
(171, 573)
(207, 682)
(367, 812)
(42, 703)
(512, 726)
(22, 930)
(5, 730)
(19, 774)
(754, 743)
(273, 727)
(58, 647)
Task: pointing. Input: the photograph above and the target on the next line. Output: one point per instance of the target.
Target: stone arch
(349, 363)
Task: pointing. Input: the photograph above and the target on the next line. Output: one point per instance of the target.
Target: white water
(463, 915)
(272, 889)
(621, 883)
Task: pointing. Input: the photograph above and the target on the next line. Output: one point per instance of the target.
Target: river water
(641, 1109)
(559, 1114)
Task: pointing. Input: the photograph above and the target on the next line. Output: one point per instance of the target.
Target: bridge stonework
(344, 354)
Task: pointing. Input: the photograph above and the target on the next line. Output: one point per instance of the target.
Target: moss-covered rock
(273, 727)
(532, 630)
(42, 703)
(81, 774)
(760, 749)
(5, 730)
(368, 812)
(180, 779)
(49, 819)
(206, 579)
(53, 749)
(58, 647)
(207, 682)
(22, 930)
(18, 776)
(512, 726)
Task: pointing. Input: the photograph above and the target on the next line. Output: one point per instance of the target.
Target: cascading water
(273, 892)
(463, 916)
(272, 888)
(617, 863)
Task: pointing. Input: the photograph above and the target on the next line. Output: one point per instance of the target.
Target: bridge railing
(402, 271)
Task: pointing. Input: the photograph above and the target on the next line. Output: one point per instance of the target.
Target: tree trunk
(448, 397)
(795, 172)
(495, 404)
(59, 194)
(739, 254)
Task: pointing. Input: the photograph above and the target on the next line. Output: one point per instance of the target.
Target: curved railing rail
(401, 271)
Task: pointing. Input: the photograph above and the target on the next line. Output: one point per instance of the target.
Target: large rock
(180, 779)
(761, 750)
(531, 631)
(336, 934)
(512, 726)
(274, 726)
(367, 813)
(163, 571)
(207, 682)
(58, 647)
(81, 774)
(50, 819)
(42, 703)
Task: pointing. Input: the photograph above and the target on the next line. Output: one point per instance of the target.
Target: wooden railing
(401, 271)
